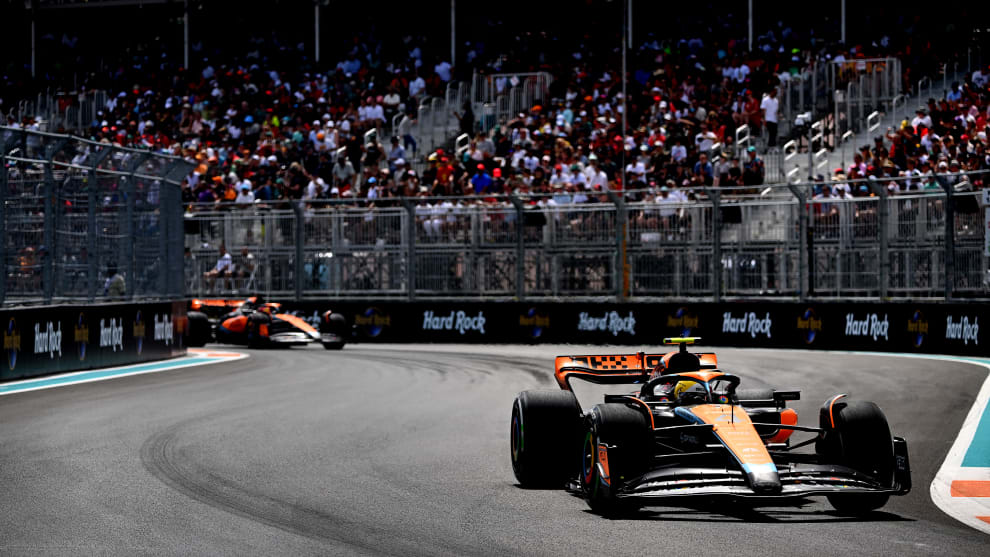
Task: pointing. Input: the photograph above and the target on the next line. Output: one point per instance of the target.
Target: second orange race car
(256, 323)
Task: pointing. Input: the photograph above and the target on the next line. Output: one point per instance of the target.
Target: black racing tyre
(200, 330)
(254, 337)
(333, 324)
(544, 437)
(860, 439)
(627, 437)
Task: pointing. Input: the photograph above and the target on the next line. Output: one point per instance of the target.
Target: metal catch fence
(788, 244)
(81, 220)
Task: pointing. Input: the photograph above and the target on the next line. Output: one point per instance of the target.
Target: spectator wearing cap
(753, 169)
(481, 181)
(245, 196)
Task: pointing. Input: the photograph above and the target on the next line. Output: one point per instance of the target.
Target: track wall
(53, 339)
(896, 327)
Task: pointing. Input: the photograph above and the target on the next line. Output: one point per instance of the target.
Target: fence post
(520, 246)
(300, 237)
(92, 247)
(47, 262)
(411, 239)
(131, 192)
(804, 257)
(716, 197)
(622, 281)
(884, 217)
(950, 235)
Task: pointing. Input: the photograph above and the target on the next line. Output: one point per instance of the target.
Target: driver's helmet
(267, 309)
(686, 391)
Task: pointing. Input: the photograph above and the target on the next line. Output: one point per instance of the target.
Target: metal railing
(497, 98)
(75, 214)
(727, 243)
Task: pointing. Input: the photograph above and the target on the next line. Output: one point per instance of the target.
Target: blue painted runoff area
(978, 453)
(100, 374)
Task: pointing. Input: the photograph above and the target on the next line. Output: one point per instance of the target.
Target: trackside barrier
(636, 245)
(889, 327)
(54, 339)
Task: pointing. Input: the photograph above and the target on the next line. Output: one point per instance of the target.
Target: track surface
(403, 450)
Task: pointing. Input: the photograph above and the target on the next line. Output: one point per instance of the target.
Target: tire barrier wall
(55, 339)
(941, 328)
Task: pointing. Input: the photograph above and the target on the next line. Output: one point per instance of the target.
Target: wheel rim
(588, 460)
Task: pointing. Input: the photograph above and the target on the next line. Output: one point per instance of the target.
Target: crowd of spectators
(260, 132)
(946, 136)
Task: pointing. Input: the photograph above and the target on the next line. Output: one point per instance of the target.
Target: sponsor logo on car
(112, 334)
(917, 328)
(534, 322)
(809, 324)
(611, 322)
(164, 331)
(962, 329)
(12, 342)
(456, 321)
(48, 339)
(138, 331)
(373, 321)
(682, 321)
(870, 326)
(81, 335)
(748, 323)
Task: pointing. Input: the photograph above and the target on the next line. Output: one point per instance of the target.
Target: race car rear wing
(610, 369)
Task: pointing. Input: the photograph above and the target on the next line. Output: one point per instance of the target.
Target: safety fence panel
(917, 244)
(760, 247)
(846, 248)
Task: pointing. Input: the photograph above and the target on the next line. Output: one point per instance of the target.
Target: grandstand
(460, 153)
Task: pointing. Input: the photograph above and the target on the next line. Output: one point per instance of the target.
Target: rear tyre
(617, 447)
(860, 439)
(333, 324)
(200, 330)
(544, 437)
(255, 338)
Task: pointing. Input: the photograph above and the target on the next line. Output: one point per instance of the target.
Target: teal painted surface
(978, 453)
(100, 374)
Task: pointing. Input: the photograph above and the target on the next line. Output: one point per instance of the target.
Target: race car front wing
(797, 480)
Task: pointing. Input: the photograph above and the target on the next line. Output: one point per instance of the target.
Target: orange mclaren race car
(256, 323)
(688, 432)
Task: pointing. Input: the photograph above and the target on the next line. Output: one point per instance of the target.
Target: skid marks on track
(167, 462)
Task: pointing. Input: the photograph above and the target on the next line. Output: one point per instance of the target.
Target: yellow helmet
(692, 387)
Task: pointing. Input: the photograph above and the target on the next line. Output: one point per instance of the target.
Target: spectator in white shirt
(769, 106)
(245, 195)
(678, 152)
(416, 86)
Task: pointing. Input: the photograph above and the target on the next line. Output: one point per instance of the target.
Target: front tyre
(544, 437)
(860, 439)
(617, 447)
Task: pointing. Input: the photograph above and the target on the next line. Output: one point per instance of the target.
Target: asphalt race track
(404, 450)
